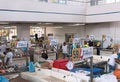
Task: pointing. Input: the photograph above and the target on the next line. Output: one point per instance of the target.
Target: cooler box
(60, 64)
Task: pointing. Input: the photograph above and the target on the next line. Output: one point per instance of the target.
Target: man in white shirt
(8, 57)
(64, 50)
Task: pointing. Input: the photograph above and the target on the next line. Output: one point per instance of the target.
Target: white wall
(59, 33)
(110, 29)
(98, 29)
(103, 13)
(34, 11)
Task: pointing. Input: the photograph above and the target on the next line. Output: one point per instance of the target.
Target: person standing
(56, 51)
(64, 50)
(85, 44)
(98, 47)
(8, 60)
(112, 59)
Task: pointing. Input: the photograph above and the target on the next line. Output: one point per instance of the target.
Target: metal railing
(101, 2)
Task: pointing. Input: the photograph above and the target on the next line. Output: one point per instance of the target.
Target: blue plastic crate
(3, 79)
(96, 71)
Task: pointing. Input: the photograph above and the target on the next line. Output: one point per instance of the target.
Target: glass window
(94, 2)
(36, 30)
(117, 0)
(110, 1)
(43, 0)
(9, 33)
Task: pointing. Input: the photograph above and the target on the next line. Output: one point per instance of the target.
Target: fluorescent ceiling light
(4, 23)
(48, 23)
(7, 27)
(77, 24)
(58, 27)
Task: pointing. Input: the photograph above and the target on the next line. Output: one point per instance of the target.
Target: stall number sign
(21, 44)
(87, 52)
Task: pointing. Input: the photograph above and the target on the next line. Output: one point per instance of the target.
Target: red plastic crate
(60, 64)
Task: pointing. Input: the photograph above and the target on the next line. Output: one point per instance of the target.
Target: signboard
(53, 42)
(87, 52)
(76, 54)
(21, 44)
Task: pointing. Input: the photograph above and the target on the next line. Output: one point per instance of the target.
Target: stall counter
(44, 75)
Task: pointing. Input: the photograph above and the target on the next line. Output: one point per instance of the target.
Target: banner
(21, 44)
(76, 54)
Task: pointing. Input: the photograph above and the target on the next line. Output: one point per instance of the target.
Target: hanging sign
(53, 42)
(76, 54)
(87, 52)
(21, 44)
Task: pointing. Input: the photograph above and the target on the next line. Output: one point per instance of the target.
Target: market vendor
(44, 58)
(44, 55)
(8, 57)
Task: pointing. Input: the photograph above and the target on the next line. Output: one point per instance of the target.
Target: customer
(64, 50)
(86, 44)
(111, 61)
(8, 57)
(98, 47)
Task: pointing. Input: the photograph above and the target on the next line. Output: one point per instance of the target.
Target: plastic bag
(31, 67)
